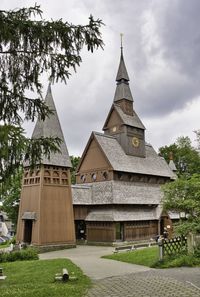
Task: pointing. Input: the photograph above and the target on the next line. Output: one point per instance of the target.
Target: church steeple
(122, 73)
(46, 212)
(122, 121)
(123, 96)
(51, 127)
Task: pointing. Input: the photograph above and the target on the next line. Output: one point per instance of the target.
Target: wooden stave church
(117, 195)
(118, 192)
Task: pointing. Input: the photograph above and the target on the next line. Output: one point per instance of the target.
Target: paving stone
(136, 285)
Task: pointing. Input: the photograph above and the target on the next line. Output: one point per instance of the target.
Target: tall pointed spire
(122, 72)
(122, 91)
(51, 127)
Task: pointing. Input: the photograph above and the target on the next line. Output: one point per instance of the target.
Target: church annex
(118, 195)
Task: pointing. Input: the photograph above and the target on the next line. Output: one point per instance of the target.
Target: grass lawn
(4, 245)
(36, 279)
(150, 257)
(146, 256)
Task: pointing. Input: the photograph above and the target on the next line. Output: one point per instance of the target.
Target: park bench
(124, 248)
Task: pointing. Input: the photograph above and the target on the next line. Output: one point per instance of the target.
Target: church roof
(122, 90)
(172, 165)
(82, 194)
(125, 214)
(122, 72)
(51, 127)
(130, 120)
(152, 164)
(117, 192)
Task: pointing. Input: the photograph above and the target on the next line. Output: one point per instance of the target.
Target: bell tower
(122, 121)
(46, 210)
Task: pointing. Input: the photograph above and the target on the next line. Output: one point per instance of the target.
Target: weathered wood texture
(46, 193)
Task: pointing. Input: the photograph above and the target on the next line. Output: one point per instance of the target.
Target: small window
(47, 173)
(94, 176)
(64, 175)
(105, 175)
(83, 178)
(55, 174)
(38, 172)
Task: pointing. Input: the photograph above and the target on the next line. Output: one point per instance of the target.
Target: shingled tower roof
(51, 127)
(122, 91)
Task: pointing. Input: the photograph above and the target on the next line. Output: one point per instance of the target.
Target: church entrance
(28, 224)
(119, 231)
(80, 229)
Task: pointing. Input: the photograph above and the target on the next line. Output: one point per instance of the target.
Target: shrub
(177, 261)
(26, 254)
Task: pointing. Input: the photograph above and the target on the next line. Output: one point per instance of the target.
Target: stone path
(117, 279)
(141, 285)
(88, 258)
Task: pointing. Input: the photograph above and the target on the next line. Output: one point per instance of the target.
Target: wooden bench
(124, 248)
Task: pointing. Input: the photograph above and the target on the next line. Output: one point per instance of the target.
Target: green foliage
(20, 255)
(28, 48)
(36, 278)
(150, 257)
(75, 162)
(179, 260)
(183, 195)
(185, 156)
(10, 195)
(146, 256)
(4, 244)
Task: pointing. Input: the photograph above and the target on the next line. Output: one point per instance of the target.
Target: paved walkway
(118, 279)
(88, 258)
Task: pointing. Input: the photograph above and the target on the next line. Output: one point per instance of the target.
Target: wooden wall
(100, 231)
(106, 231)
(80, 212)
(46, 192)
(140, 230)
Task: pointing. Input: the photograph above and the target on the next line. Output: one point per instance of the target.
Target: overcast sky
(162, 55)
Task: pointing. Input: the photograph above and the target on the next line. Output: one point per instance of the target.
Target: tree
(28, 49)
(183, 196)
(74, 160)
(185, 156)
(10, 194)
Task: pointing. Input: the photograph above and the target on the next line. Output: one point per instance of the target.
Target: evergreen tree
(28, 48)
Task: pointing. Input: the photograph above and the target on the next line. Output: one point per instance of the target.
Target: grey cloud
(180, 35)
